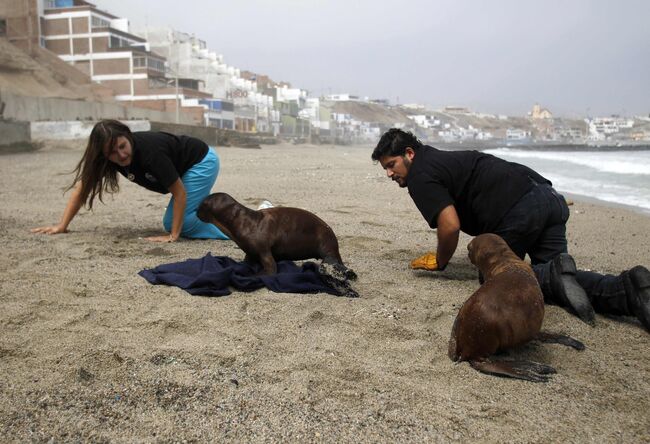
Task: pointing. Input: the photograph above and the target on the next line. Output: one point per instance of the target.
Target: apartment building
(237, 103)
(518, 134)
(100, 44)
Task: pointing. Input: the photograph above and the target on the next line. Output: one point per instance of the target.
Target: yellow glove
(426, 262)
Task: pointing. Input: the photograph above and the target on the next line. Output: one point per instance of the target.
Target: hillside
(45, 75)
(370, 112)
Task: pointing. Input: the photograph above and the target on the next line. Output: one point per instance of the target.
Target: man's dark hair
(394, 143)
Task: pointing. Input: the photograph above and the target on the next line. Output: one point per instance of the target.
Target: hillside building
(237, 103)
(100, 44)
(540, 113)
(601, 128)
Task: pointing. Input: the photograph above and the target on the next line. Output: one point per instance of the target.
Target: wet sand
(90, 351)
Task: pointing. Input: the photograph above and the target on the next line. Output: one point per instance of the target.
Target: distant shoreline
(603, 203)
(481, 145)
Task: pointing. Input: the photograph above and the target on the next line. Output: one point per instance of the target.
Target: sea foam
(621, 177)
(619, 162)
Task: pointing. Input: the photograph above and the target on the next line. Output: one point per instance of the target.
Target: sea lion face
(214, 209)
(212, 205)
(483, 247)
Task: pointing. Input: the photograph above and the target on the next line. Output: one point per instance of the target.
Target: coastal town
(69, 61)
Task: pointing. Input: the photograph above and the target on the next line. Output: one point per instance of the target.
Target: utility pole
(177, 98)
(28, 13)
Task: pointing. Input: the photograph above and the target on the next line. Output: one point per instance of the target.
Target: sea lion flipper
(556, 338)
(536, 367)
(346, 272)
(525, 370)
(336, 279)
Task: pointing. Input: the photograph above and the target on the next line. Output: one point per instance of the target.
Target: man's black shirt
(481, 187)
(160, 158)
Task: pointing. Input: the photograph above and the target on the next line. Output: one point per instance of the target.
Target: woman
(181, 165)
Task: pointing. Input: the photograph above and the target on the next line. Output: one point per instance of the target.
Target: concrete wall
(217, 137)
(207, 134)
(69, 130)
(31, 109)
(76, 129)
(13, 133)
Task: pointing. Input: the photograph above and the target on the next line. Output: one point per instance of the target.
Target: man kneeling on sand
(480, 193)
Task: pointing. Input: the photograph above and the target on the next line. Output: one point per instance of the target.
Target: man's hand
(426, 262)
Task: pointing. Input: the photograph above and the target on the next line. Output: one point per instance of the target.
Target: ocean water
(621, 177)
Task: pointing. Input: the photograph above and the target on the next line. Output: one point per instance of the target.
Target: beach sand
(90, 351)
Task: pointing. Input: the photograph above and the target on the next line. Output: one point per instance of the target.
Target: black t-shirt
(160, 158)
(481, 187)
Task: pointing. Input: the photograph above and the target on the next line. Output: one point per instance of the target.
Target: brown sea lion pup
(279, 233)
(505, 312)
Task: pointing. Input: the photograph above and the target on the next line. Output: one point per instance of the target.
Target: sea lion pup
(505, 312)
(279, 233)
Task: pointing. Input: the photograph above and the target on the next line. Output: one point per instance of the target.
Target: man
(479, 193)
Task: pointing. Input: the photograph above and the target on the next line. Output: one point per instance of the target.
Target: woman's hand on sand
(52, 229)
(164, 238)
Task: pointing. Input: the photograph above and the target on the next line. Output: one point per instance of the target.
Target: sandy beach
(90, 351)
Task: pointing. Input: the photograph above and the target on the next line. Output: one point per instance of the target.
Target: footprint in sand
(372, 224)
(363, 241)
(157, 251)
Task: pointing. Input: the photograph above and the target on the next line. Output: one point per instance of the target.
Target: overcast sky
(574, 57)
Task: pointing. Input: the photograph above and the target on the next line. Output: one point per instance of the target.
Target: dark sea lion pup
(505, 312)
(279, 233)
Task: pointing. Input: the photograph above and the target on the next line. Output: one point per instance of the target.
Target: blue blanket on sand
(213, 275)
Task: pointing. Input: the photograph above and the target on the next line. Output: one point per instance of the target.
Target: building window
(3, 27)
(139, 62)
(52, 4)
(148, 62)
(117, 42)
(156, 65)
(97, 22)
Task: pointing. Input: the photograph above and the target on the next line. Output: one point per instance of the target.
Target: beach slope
(90, 351)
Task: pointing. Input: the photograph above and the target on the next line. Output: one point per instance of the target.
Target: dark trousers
(536, 226)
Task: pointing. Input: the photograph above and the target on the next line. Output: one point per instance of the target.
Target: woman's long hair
(96, 173)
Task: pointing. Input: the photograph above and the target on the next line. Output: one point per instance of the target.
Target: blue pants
(536, 226)
(198, 182)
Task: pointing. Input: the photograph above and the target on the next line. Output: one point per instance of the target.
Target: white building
(601, 128)
(189, 57)
(517, 134)
(425, 121)
(286, 94)
(345, 97)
